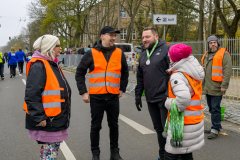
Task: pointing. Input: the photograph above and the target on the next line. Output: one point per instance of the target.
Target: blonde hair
(12, 49)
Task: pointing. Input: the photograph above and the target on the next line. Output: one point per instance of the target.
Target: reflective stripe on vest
(51, 92)
(51, 96)
(51, 105)
(194, 112)
(104, 84)
(105, 78)
(217, 64)
(98, 75)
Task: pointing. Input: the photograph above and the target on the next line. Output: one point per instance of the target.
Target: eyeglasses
(112, 35)
(57, 45)
(212, 42)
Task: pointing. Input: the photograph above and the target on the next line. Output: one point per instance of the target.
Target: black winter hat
(108, 29)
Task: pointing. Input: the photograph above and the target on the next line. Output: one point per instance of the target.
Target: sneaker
(214, 134)
(2, 78)
(11, 76)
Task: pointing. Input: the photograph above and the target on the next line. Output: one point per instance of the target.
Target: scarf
(37, 54)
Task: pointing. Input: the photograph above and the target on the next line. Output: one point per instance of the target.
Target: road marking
(136, 125)
(24, 81)
(65, 150)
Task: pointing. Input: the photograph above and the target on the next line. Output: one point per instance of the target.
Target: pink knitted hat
(179, 51)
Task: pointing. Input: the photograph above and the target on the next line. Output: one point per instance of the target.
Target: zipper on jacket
(106, 74)
(51, 119)
(68, 95)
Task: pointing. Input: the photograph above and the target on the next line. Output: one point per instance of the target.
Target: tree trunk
(132, 15)
(210, 18)
(184, 23)
(201, 19)
(214, 23)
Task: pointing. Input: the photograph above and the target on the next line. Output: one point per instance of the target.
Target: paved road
(15, 144)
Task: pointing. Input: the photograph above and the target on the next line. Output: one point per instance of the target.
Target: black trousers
(1, 71)
(158, 114)
(169, 156)
(97, 111)
(6, 59)
(13, 70)
(20, 66)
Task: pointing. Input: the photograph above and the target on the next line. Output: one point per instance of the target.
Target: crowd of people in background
(75, 50)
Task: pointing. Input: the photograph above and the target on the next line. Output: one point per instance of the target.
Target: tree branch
(233, 6)
(221, 16)
(191, 7)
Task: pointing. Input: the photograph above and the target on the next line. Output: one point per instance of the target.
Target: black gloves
(138, 103)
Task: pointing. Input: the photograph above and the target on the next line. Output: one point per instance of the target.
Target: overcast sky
(10, 13)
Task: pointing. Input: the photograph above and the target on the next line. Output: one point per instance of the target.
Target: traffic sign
(164, 19)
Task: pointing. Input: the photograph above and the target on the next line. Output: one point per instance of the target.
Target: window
(123, 13)
(124, 48)
(134, 34)
(150, 14)
(123, 34)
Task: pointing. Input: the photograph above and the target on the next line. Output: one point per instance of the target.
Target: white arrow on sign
(164, 19)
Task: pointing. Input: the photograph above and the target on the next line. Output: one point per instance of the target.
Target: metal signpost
(165, 19)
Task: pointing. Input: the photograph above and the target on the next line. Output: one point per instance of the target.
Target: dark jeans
(169, 156)
(6, 59)
(13, 70)
(97, 111)
(1, 69)
(20, 66)
(215, 110)
(158, 113)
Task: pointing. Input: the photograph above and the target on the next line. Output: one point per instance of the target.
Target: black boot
(115, 154)
(95, 155)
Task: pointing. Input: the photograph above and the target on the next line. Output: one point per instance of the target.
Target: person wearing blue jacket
(12, 62)
(20, 55)
(28, 58)
(2, 61)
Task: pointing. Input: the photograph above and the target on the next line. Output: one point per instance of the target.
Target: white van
(128, 50)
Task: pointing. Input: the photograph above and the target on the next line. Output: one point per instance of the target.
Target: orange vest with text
(105, 78)
(51, 96)
(217, 65)
(193, 114)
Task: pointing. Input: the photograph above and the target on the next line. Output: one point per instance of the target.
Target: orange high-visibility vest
(193, 114)
(51, 96)
(105, 78)
(217, 64)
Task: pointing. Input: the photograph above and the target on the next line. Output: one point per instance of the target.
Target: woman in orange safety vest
(185, 87)
(47, 97)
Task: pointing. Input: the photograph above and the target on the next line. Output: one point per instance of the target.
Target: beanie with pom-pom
(179, 51)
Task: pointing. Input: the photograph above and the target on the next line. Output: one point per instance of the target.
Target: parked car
(129, 51)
